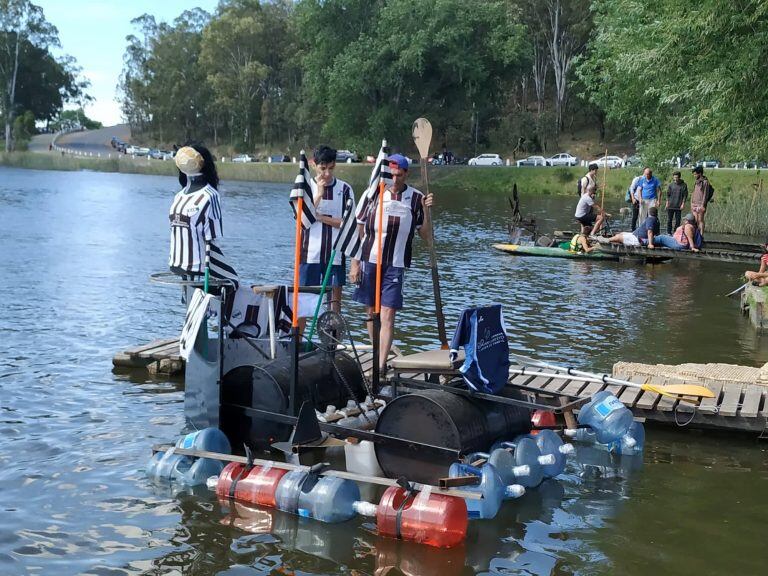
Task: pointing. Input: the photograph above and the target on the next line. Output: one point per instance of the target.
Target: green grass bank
(740, 205)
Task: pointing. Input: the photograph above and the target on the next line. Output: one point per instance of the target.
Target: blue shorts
(391, 286)
(312, 275)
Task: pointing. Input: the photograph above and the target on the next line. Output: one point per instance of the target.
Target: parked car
(278, 158)
(242, 159)
(610, 161)
(709, 163)
(751, 165)
(346, 156)
(156, 153)
(131, 149)
(167, 154)
(486, 160)
(120, 147)
(634, 160)
(532, 161)
(142, 151)
(562, 159)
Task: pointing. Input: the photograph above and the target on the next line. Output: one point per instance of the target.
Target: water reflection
(74, 436)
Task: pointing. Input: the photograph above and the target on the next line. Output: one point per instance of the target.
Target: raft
(559, 251)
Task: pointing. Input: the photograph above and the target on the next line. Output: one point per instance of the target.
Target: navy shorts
(588, 219)
(391, 286)
(312, 275)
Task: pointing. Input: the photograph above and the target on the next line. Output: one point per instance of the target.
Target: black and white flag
(302, 188)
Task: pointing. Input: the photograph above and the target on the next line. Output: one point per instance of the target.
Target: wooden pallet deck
(158, 357)
(161, 357)
(737, 406)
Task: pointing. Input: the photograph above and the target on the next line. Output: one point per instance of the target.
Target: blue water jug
(594, 461)
(636, 434)
(505, 464)
(491, 486)
(325, 498)
(169, 467)
(608, 417)
(550, 443)
(525, 453)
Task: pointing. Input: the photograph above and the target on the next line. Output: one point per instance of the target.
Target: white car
(242, 159)
(133, 150)
(486, 160)
(532, 161)
(610, 161)
(562, 159)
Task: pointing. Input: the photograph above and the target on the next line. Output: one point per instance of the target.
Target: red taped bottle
(431, 519)
(256, 486)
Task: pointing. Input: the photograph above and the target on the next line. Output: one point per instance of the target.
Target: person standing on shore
(648, 191)
(677, 194)
(404, 214)
(634, 200)
(702, 194)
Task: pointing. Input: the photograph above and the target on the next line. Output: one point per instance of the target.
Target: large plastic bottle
(506, 465)
(636, 434)
(550, 443)
(491, 486)
(255, 486)
(525, 452)
(172, 468)
(608, 417)
(326, 498)
(431, 519)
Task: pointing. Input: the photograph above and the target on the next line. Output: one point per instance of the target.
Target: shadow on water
(74, 435)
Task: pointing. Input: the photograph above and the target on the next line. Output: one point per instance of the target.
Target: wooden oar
(422, 136)
(674, 390)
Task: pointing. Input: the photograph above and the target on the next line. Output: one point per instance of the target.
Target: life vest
(575, 245)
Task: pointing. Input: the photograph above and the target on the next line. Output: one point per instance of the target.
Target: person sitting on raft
(580, 242)
(761, 276)
(644, 234)
(686, 237)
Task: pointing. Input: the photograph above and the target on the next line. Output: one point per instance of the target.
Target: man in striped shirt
(404, 215)
(331, 197)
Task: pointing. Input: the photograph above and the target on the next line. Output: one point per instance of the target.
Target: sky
(94, 31)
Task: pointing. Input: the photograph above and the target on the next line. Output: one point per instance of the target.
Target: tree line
(288, 73)
(34, 85)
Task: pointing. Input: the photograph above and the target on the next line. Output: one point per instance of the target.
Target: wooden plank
(711, 403)
(630, 395)
(538, 382)
(152, 345)
(731, 398)
(666, 403)
(591, 388)
(751, 404)
(160, 353)
(557, 384)
(574, 388)
(647, 400)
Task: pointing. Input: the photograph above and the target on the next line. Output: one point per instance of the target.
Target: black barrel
(323, 379)
(441, 418)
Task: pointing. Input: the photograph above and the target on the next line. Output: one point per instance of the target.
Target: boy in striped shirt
(331, 197)
(404, 214)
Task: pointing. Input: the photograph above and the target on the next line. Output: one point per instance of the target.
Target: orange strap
(297, 262)
(379, 247)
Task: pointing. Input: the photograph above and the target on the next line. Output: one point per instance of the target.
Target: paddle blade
(422, 136)
(680, 390)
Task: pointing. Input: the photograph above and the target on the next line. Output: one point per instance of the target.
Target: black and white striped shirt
(317, 241)
(403, 215)
(195, 219)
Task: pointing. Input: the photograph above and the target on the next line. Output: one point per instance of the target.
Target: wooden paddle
(422, 136)
(674, 390)
(602, 192)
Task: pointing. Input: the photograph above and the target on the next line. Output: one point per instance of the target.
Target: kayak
(557, 251)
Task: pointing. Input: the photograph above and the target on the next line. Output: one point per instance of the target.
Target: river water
(77, 249)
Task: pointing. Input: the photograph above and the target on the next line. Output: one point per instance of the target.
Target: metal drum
(323, 379)
(443, 419)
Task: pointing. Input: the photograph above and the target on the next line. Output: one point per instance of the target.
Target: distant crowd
(644, 197)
